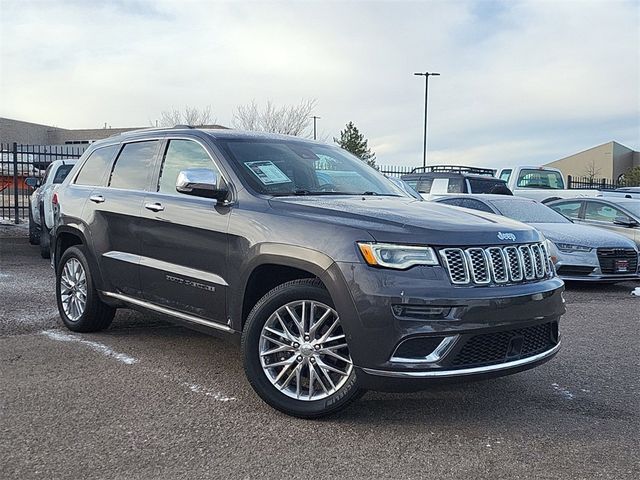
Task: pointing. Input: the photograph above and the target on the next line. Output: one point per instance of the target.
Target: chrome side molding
(167, 311)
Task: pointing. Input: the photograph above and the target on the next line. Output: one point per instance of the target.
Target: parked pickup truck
(543, 184)
(623, 192)
(40, 205)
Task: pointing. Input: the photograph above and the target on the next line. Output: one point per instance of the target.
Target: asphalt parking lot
(145, 399)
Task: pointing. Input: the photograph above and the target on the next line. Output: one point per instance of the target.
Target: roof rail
(152, 129)
(454, 169)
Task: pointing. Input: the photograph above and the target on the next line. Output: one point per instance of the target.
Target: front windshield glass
(531, 178)
(285, 167)
(632, 207)
(528, 212)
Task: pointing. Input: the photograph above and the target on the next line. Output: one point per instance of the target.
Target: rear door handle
(154, 207)
(96, 198)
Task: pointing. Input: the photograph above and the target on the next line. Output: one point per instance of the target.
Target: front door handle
(154, 207)
(96, 198)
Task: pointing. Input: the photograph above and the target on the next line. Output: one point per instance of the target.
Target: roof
(487, 197)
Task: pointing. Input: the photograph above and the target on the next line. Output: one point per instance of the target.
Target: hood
(583, 235)
(403, 219)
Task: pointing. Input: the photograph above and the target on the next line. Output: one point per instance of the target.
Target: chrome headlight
(396, 256)
(571, 248)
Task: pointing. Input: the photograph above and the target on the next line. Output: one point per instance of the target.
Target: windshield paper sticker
(267, 172)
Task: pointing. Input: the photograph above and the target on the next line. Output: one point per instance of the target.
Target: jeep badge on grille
(506, 236)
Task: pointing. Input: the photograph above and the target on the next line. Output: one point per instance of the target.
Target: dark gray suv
(334, 280)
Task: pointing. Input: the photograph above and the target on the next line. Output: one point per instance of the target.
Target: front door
(184, 239)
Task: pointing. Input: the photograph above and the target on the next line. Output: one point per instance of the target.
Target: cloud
(522, 82)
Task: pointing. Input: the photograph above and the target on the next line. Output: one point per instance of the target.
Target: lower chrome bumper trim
(464, 371)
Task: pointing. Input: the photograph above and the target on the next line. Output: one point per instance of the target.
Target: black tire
(45, 237)
(34, 229)
(296, 290)
(97, 315)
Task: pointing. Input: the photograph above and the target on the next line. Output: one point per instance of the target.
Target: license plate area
(621, 266)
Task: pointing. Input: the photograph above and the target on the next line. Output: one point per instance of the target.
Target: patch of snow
(562, 391)
(636, 292)
(195, 388)
(98, 347)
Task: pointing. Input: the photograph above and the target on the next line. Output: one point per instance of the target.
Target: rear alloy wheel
(79, 305)
(296, 352)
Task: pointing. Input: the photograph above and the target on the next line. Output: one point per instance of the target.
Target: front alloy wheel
(296, 354)
(303, 350)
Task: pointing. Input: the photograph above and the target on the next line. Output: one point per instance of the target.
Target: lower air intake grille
(499, 347)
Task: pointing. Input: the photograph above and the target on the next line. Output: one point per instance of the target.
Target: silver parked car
(580, 252)
(620, 215)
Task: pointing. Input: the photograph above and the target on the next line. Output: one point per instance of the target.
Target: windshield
(284, 167)
(528, 212)
(532, 178)
(632, 207)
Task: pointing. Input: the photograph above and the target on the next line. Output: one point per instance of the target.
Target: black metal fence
(595, 183)
(394, 170)
(17, 162)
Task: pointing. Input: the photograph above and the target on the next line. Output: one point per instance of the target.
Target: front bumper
(585, 267)
(395, 307)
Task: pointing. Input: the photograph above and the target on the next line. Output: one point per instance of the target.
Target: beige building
(609, 160)
(28, 133)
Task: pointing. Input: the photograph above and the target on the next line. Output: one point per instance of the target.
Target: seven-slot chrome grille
(497, 265)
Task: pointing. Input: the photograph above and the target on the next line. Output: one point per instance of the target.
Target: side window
(94, 169)
(568, 209)
(475, 205)
(505, 174)
(180, 155)
(134, 165)
(602, 212)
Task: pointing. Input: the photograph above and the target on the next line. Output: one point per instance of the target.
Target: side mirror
(33, 182)
(625, 222)
(202, 182)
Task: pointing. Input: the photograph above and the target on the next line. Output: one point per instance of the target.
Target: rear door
(184, 238)
(113, 214)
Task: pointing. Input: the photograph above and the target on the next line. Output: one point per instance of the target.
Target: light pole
(314, 125)
(426, 76)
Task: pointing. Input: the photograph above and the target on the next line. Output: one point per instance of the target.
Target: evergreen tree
(632, 177)
(353, 141)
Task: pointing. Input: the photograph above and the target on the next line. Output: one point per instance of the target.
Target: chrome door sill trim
(465, 371)
(167, 311)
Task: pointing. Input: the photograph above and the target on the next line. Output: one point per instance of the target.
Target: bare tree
(288, 119)
(192, 116)
(591, 171)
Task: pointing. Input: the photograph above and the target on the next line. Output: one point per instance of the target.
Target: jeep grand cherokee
(334, 280)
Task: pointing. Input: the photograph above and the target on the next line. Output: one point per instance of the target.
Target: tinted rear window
(134, 166)
(94, 169)
(483, 186)
(62, 173)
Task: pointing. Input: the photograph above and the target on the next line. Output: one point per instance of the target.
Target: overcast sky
(521, 81)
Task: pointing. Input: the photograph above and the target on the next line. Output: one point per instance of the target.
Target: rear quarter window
(96, 166)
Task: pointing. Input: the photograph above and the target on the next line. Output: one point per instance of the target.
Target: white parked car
(543, 184)
(40, 205)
